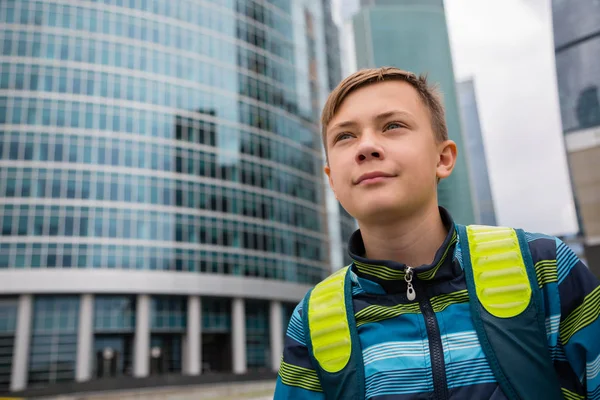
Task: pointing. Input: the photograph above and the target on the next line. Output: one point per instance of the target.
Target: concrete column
(20, 365)
(194, 340)
(276, 326)
(85, 338)
(141, 361)
(238, 335)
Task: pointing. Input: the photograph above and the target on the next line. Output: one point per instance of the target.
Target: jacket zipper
(436, 351)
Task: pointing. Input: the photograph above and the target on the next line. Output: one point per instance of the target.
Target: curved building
(577, 46)
(160, 191)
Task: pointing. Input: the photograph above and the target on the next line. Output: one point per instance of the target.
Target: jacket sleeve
(297, 377)
(579, 328)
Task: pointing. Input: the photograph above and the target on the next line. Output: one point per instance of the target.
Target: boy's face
(384, 160)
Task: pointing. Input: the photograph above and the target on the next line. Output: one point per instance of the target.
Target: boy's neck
(413, 241)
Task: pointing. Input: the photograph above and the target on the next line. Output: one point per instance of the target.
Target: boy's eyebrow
(382, 116)
(345, 124)
(393, 113)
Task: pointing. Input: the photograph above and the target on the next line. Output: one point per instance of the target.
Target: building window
(216, 315)
(216, 335)
(114, 329)
(257, 335)
(53, 350)
(8, 325)
(168, 325)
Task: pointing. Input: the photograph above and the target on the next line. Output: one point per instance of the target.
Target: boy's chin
(379, 212)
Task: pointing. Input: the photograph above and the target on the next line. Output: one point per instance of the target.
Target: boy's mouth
(373, 177)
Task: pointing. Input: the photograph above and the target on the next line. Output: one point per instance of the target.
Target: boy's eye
(343, 136)
(393, 125)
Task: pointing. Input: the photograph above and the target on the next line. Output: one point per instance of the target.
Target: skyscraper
(160, 184)
(344, 223)
(483, 203)
(412, 35)
(577, 45)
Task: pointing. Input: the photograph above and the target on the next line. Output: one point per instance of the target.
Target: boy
(430, 309)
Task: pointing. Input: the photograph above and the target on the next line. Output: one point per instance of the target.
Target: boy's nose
(363, 157)
(369, 150)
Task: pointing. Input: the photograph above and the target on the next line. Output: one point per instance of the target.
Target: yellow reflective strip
(546, 272)
(390, 274)
(587, 312)
(428, 275)
(380, 271)
(441, 302)
(304, 378)
(328, 323)
(379, 313)
(501, 280)
(570, 395)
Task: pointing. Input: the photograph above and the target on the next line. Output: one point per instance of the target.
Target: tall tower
(483, 206)
(577, 45)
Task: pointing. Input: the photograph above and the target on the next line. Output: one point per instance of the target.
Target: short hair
(429, 95)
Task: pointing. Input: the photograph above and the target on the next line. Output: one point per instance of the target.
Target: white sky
(507, 47)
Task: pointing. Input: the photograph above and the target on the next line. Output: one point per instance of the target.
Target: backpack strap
(332, 338)
(507, 311)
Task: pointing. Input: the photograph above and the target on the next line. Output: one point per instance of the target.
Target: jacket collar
(388, 273)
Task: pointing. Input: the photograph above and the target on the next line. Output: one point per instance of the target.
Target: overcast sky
(507, 47)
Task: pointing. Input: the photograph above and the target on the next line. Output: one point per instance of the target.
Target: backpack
(506, 307)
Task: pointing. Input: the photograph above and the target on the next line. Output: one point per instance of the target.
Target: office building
(483, 203)
(161, 194)
(577, 45)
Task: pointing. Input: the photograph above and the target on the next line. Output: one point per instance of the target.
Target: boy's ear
(328, 172)
(447, 158)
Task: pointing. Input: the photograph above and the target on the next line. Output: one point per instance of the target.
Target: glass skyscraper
(412, 35)
(483, 202)
(161, 194)
(577, 48)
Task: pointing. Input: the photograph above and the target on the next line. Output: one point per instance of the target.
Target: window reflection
(578, 76)
(175, 121)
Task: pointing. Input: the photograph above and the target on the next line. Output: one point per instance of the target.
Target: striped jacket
(397, 336)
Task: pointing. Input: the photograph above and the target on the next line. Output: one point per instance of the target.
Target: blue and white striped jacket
(397, 342)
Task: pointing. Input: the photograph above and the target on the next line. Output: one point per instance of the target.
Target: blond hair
(429, 95)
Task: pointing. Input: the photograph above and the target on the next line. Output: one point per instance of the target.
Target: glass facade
(168, 322)
(577, 46)
(216, 315)
(574, 21)
(332, 41)
(417, 31)
(334, 70)
(169, 313)
(114, 329)
(257, 335)
(178, 137)
(216, 334)
(53, 340)
(176, 124)
(114, 314)
(8, 326)
(578, 74)
(348, 226)
(113, 355)
(485, 213)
